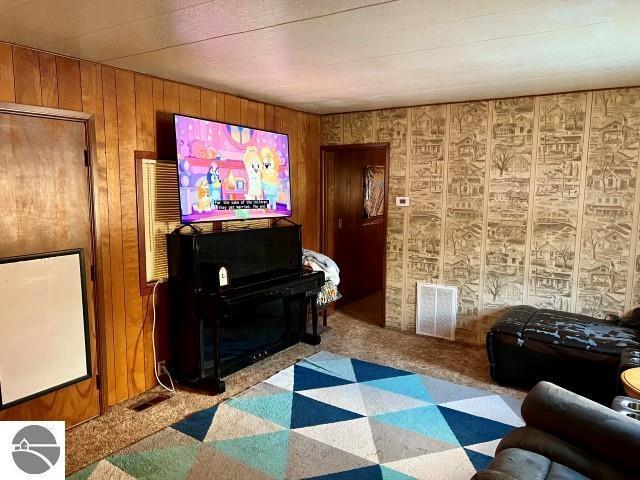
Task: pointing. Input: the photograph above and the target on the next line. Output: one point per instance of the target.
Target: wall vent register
(436, 308)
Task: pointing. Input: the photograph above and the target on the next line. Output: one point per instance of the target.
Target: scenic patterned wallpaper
(525, 200)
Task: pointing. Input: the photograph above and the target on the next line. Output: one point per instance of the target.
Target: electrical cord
(153, 342)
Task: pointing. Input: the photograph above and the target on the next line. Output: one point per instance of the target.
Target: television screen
(229, 172)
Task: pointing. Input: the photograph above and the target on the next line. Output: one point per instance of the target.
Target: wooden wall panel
(290, 127)
(7, 88)
(147, 302)
(220, 106)
(232, 109)
(300, 185)
(145, 121)
(166, 139)
(268, 117)
(250, 114)
(48, 80)
(135, 112)
(69, 92)
(209, 104)
(312, 189)
(260, 115)
(146, 141)
(126, 145)
(189, 100)
(118, 320)
(26, 72)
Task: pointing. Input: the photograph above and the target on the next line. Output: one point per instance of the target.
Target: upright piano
(235, 298)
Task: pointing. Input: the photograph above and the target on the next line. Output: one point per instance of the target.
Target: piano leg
(216, 384)
(313, 338)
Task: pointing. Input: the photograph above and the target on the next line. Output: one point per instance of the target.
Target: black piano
(235, 298)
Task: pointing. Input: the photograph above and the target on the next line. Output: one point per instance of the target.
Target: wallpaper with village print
(610, 200)
(331, 130)
(527, 200)
(467, 167)
(426, 178)
(557, 190)
(635, 297)
(507, 214)
(391, 127)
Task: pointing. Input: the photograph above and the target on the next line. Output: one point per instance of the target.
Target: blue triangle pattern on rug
(390, 474)
(373, 472)
(341, 367)
(367, 371)
(197, 425)
(479, 460)
(408, 385)
(308, 379)
(307, 412)
(267, 452)
(276, 408)
(253, 430)
(470, 429)
(427, 421)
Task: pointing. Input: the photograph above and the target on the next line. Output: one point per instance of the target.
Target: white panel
(43, 325)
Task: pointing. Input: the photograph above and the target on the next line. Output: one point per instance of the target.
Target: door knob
(339, 223)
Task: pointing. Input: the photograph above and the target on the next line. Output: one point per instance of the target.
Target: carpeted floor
(367, 309)
(121, 426)
(328, 417)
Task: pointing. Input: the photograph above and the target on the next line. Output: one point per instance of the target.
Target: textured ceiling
(342, 55)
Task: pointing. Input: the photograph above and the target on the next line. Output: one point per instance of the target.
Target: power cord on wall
(153, 342)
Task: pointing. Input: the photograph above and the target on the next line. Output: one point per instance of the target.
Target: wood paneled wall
(133, 112)
(530, 200)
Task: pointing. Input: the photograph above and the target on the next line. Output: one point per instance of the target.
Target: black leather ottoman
(577, 352)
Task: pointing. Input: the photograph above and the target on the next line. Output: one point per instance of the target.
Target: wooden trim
(94, 214)
(355, 146)
(139, 156)
(101, 334)
(323, 203)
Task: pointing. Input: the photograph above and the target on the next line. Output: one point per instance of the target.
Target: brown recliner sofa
(567, 437)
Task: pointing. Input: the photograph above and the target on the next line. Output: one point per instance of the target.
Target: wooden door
(357, 244)
(46, 203)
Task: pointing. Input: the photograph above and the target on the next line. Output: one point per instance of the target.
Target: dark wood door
(357, 244)
(45, 198)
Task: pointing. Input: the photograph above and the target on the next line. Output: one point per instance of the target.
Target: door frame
(324, 209)
(88, 119)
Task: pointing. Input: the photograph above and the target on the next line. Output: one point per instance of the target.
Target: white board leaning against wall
(44, 343)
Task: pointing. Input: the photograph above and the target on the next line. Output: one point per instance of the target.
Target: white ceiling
(342, 55)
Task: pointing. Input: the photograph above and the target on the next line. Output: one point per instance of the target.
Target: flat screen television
(230, 172)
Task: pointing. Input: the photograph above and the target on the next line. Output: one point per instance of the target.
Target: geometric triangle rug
(327, 417)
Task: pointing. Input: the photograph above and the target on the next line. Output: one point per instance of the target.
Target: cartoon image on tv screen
(227, 172)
